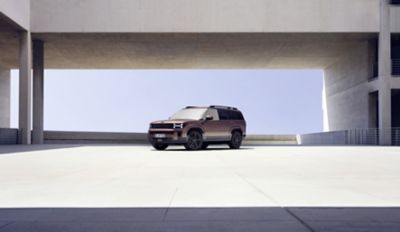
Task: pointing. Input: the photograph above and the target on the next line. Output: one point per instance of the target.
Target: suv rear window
(229, 115)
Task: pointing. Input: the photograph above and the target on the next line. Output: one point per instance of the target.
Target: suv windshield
(192, 113)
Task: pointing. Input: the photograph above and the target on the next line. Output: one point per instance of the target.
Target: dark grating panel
(162, 126)
(8, 136)
(395, 2)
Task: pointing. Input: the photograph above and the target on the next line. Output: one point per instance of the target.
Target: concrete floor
(120, 188)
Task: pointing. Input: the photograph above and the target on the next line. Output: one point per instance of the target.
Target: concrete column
(38, 81)
(25, 86)
(4, 97)
(385, 66)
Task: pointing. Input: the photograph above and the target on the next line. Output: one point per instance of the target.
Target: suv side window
(236, 115)
(230, 115)
(213, 113)
(224, 114)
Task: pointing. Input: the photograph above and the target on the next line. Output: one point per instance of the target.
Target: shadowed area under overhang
(188, 51)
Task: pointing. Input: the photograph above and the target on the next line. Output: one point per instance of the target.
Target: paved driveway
(120, 188)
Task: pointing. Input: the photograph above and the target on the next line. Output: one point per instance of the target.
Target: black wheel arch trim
(196, 128)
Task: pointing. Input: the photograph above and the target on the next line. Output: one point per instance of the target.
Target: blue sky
(272, 101)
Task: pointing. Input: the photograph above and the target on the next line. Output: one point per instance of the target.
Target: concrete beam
(19, 12)
(208, 16)
(4, 97)
(38, 83)
(384, 79)
(25, 85)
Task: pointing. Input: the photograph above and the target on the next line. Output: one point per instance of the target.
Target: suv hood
(172, 121)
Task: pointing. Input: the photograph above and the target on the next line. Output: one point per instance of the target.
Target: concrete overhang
(17, 12)
(188, 50)
(204, 16)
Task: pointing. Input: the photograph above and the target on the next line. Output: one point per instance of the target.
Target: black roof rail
(223, 107)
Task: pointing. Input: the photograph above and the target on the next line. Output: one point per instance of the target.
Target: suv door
(225, 123)
(212, 128)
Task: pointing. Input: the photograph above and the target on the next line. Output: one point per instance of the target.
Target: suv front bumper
(168, 136)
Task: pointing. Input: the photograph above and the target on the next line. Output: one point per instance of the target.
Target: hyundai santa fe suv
(197, 127)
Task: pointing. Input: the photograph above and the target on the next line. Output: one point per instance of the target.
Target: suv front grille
(162, 126)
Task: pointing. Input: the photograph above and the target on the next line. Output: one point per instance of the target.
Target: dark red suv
(197, 127)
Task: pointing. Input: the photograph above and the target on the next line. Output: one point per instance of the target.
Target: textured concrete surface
(5, 94)
(17, 11)
(188, 51)
(120, 188)
(71, 137)
(134, 176)
(201, 219)
(346, 88)
(205, 16)
(25, 88)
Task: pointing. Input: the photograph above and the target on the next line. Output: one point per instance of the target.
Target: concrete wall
(346, 89)
(364, 136)
(18, 11)
(270, 140)
(325, 138)
(205, 16)
(395, 18)
(4, 97)
(64, 137)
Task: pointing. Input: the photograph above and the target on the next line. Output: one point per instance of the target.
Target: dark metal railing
(368, 136)
(396, 67)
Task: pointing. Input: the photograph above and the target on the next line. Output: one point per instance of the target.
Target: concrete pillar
(4, 97)
(25, 86)
(384, 79)
(38, 81)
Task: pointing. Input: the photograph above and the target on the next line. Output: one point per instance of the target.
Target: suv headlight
(178, 125)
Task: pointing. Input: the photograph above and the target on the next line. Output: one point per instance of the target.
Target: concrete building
(356, 42)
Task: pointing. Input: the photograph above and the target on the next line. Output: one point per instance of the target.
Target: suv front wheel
(194, 140)
(236, 140)
(160, 147)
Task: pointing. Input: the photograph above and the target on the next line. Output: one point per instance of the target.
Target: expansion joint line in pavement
(4, 226)
(308, 227)
(299, 219)
(169, 204)
(250, 184)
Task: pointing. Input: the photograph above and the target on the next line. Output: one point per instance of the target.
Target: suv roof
(224, 107)
(214, 107)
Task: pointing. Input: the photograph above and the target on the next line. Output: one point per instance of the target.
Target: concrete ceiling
(186, 51)
(8, 42)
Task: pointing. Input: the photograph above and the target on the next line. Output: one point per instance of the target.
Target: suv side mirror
(209, 118)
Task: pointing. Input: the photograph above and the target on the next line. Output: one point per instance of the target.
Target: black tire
(236, 140)
(204, 146)
(194, 140)
(160, 147)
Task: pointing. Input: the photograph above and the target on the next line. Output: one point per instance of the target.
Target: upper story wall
(18, 11)
(395, 18)
(205, 15)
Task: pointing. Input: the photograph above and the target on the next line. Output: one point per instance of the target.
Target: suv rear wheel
(236, 140)
(194, 140)
(160, 147)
